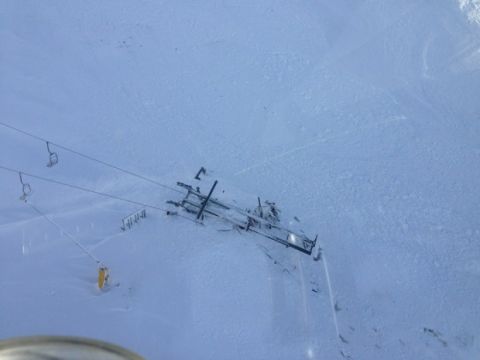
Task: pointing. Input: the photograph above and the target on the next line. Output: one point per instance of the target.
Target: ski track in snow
(313, 143)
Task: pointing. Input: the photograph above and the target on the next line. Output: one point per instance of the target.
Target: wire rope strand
(91, 158)
(70, 236)
(99, 193)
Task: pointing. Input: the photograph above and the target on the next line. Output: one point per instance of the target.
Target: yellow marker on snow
(102, 277)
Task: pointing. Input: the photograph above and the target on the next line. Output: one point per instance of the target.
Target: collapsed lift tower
(263, 220)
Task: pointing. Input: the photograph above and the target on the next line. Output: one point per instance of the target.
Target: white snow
(361, 118)
(472, 8)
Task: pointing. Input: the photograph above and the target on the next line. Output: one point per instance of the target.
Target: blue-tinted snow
(361, 118)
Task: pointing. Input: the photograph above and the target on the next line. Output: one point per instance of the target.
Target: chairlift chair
(26, 188)
(52, 156)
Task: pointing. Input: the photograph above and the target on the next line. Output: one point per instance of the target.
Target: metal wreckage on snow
(264, 220)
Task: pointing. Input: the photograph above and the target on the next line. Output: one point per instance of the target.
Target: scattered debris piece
(435, 334)
(342, 339)
(287, 269)
(318, 253)
(268, 211)
(268, 255)
(337, 307)
(202, 171)
(315, 287)
(132, 219)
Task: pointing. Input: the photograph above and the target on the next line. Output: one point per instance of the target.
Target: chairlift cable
(70, 236)
(76, 187)
(88, 157)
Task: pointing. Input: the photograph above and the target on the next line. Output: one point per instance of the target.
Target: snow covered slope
(361, 118)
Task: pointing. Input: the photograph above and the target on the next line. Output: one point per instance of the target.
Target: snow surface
(361, 118)
(472, 8)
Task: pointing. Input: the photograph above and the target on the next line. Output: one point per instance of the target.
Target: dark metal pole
(206, 200)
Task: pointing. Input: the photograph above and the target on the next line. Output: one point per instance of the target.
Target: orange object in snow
(102, 277)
